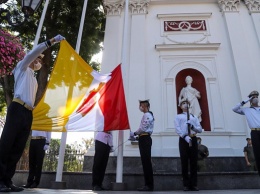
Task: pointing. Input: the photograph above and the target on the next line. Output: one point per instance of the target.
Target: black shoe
(34, 185)
(14, 188)
(3, 188)
(194, 189)
(186, 188)
(145, 188)
(28, 185)
(97, 188)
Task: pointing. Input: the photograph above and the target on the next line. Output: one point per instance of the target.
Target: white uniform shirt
(252, 115)
(146, 125)
(105, 138)
(42, 134)
(25, 86)
(181, 125)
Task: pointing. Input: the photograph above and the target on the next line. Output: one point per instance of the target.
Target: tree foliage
(62, 17)
(73, 159)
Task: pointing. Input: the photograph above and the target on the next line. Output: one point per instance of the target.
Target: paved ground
(69, 191)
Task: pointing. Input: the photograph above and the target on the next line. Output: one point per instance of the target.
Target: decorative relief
(228, 5)
(185, 28)
(253, 5)
(196, 25)
(113, 7)
(139, 6)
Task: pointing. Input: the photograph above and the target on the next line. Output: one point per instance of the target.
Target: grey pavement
(72, 191)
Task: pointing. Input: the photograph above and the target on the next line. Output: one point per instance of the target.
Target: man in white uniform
(252, 114)
(40, 142)
(19, 114)
(188, 146)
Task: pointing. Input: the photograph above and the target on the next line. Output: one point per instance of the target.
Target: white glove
(246, 100)
(187, 139)
(111, 149)
(132, 134)
(189, 122)
(46, 147)
(59, 38)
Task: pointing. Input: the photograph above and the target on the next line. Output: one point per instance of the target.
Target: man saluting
(252, 114)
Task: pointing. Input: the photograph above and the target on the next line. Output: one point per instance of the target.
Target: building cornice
(200, 46)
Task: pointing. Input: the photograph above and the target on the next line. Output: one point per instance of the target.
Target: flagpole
(64, 134)
(81, 26)
(119, 169)
(38, 33)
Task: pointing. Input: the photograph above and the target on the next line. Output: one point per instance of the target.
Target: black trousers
(13, 139)
(255, 137)
(100, 163)
(36, 157)
(189, 158)
(145, 146)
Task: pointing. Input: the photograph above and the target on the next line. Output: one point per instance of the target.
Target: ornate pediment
(253, 5)
(228, 5)
(139, 6)
(113, 7)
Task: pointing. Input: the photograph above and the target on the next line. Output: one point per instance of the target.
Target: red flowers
(11, 52)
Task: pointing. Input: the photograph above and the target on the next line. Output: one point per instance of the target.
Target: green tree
(88, 142)
(62, 17)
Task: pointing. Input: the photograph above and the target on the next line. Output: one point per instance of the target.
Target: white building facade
(216, 42)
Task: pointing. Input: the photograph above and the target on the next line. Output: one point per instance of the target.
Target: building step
(221, 173)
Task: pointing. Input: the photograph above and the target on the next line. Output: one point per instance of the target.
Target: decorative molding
(113, 7)
(204, 37)
(195, 25)
(139, 6)
(201, 46)
(253, 6)
(228, 5)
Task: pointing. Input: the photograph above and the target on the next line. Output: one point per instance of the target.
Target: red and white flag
(78, 98)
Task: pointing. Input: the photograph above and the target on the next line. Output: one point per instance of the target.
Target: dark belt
(142, 134)
(23, 103)
(255, 129)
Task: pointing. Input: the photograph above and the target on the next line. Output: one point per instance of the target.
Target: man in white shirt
(188, 146)
(252, 114)
(144, 133)
(40, 142)
(19, 114)
(103, 146)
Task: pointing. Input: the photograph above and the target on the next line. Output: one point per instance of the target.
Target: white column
(254, 9)
(115, 44)
(241, 57)
(137, 64)
(113, 36)
(171, 101)
(216, 119)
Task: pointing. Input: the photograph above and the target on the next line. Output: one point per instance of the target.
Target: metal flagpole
(64, 134)
(119, 169)
(38, 33)
(81, 26)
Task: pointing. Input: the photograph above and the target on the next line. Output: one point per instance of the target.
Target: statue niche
(192, 94)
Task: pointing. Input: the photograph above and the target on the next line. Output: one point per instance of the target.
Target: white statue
(192, 95)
